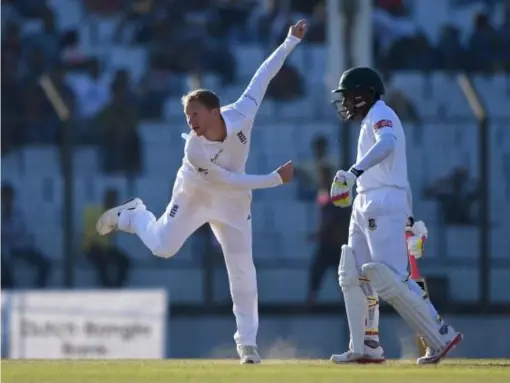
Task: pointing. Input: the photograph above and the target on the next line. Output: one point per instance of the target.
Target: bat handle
(413, 264)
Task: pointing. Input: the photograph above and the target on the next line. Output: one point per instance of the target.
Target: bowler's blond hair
(206, 97)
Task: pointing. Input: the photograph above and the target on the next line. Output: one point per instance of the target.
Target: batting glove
(341, 188)
(416, 242)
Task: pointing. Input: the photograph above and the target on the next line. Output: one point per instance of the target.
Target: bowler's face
(198, 117)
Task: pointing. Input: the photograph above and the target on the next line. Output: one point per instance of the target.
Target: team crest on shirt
(371, 224)
(383, 124)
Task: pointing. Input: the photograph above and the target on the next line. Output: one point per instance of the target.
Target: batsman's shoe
(108, 222)
(248, 354)
(372, 354)
(434, 356)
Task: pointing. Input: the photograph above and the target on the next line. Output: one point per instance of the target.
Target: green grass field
(271, 371)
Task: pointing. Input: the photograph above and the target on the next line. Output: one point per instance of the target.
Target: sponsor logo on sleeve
(383, 124)
(241, 136)
(173, 210)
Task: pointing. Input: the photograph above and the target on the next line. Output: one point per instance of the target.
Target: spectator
(317, 27)
(202, 26)
(48, 41)
(261, 19)
(332, 233)
(393, 7)
(92, 95)
(71, 54)
(270, 21)
(287, 85)
(483, 45)
(305, 7)
(456, 195)
(490, 6)
(118, 131)
(137, 15)
(398, 100)
(174, 50)
(450, 51)
(413, 52)
(233, 16)
(389, 29)
(504, 34)
(37, 65)
(157, 86)
(39, 123)
(11, 43)
(7, 273)
(405, 109)
(111, 264)
(220, 61)
(9, 14)
(31, 9)
(309, 173)
(17, 241)
(122, 83)
(104, 8)
(12, 105)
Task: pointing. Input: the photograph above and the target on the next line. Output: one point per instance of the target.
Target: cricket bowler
(211, 187)
(374, 263)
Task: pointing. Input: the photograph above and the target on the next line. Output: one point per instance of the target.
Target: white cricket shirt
(222, 164)
(392, 171)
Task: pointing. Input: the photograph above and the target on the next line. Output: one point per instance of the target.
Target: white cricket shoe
(434, 356)
(248, 354)
(108, 222)
(372, 354)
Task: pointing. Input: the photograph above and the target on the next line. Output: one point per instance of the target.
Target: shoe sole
(361, 361)
(250, 362)
(130, 204)
(454, 343)
(370, 361)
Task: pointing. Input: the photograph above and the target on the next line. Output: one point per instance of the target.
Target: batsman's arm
(382, 148)
(249, 102)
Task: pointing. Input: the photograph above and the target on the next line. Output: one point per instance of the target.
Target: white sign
(104, 324)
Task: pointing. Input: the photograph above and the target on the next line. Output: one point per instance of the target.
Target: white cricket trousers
(230, 220)
(377, 228)
(377, 234)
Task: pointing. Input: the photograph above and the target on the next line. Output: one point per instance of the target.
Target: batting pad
(356, 306)
(411, 307)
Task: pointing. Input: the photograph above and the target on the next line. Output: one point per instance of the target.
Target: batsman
(374, 263)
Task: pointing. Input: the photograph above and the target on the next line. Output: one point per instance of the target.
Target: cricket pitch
(270, 371)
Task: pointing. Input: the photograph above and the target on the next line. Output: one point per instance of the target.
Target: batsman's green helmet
(360, 78)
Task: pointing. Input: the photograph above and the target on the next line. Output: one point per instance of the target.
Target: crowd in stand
(183, 37)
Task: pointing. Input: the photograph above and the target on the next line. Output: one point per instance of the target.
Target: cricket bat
(416, 276)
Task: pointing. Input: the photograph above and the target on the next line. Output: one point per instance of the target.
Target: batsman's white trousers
(377, 227)
(230, 218)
